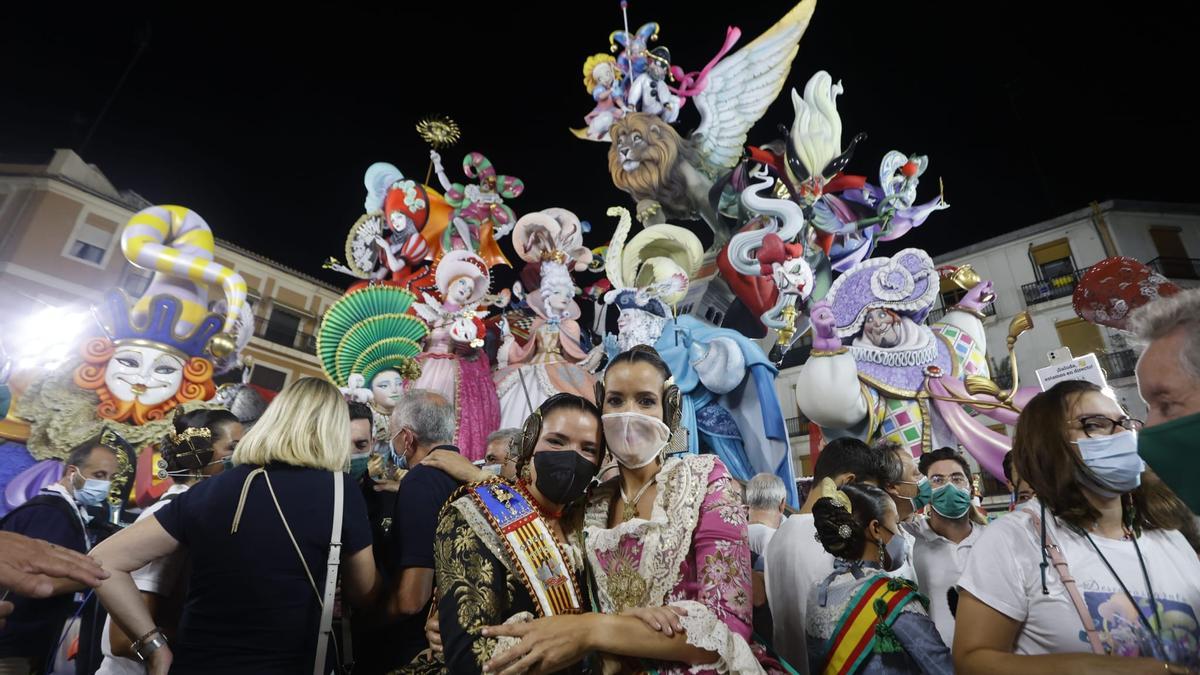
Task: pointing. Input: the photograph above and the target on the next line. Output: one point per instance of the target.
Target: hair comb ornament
(189, 433)
(831, 490)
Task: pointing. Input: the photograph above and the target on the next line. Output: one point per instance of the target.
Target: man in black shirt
(58, 516)
(423, 421)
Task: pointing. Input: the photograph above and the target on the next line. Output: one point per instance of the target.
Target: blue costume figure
(729, 405)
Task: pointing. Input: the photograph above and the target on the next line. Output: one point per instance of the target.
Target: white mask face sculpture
(386, 388)
(557, 303)
(460, 290)
(144, 374)
(638, 327)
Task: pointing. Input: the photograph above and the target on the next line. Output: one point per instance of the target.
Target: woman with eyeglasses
(1091, 576)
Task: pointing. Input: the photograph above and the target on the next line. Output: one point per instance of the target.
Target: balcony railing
(797, 426)
(1176, 268)
(1051, 289)
(1118, 364)
(938, 312)
(294, 339)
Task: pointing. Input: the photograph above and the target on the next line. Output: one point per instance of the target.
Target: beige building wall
(60, 223)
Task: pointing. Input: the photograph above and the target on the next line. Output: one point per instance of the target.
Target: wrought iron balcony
(304, 342)
(797, 426)
(937, 313)
(1176, 268)
(1053, 288)
(1118, 364)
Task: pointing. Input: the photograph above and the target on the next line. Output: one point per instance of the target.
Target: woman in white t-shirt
(1136, 580)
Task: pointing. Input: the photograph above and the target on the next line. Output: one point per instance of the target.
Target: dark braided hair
(196, 452)
(844, 534)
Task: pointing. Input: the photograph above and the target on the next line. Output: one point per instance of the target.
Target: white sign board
(1086, 368)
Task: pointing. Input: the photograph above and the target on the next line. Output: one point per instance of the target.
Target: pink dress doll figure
(603, 81)
(547, 364)
(453, 363)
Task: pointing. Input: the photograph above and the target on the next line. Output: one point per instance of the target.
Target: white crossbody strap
(331, 574)
(335, 555)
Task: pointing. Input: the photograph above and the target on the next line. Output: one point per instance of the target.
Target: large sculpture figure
(369, 341)
(897, 377)
(154, 356)
(806, 219)
(551, 242)
(151, 358)
(729, 405)
(389, 243)
(453, 363)
(675, 178)
(480, 215)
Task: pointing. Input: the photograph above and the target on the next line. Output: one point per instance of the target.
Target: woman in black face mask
(501, 554)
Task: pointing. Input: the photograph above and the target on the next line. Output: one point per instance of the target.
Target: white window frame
(80, 223)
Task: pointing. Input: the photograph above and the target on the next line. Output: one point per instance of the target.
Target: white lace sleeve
(706, 631)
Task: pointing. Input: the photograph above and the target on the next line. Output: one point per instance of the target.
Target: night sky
(264, 123)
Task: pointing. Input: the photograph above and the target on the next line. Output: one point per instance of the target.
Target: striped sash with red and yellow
(538, 561)
(877, 603)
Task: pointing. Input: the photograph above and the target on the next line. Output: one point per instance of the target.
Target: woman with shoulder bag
(1095, 563)
(266, 539)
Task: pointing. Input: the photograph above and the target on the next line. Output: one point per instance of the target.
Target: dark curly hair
(844, 534)
(195, 453)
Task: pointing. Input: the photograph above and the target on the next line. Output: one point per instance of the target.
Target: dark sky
(265, 122)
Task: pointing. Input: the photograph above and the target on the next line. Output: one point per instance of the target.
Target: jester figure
(480, 215)
(877, 370)
(152, 356)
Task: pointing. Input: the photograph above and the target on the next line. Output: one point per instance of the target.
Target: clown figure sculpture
(649, 92)
(547, 364)
(156, 353)
(898, 378)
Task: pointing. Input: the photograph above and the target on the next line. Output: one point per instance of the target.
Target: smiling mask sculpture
(154, 354)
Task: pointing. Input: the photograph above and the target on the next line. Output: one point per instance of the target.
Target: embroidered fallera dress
(915, 645)
(479, 584)
(692, 553)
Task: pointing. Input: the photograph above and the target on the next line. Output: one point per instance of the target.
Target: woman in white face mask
(666, 545)
(1094, 564)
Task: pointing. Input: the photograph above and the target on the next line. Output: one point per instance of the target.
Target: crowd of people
(589, 540)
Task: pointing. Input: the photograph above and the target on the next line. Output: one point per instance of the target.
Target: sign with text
(1086, 368)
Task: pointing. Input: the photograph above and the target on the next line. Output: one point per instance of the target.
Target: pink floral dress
(692, 553)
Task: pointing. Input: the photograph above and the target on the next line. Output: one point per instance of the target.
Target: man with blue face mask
(943, 539)
(57, 515)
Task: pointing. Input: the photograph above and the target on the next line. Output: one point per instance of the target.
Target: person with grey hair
(765, 497)
(421, 423)
(499, 459)
(1168, 375)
